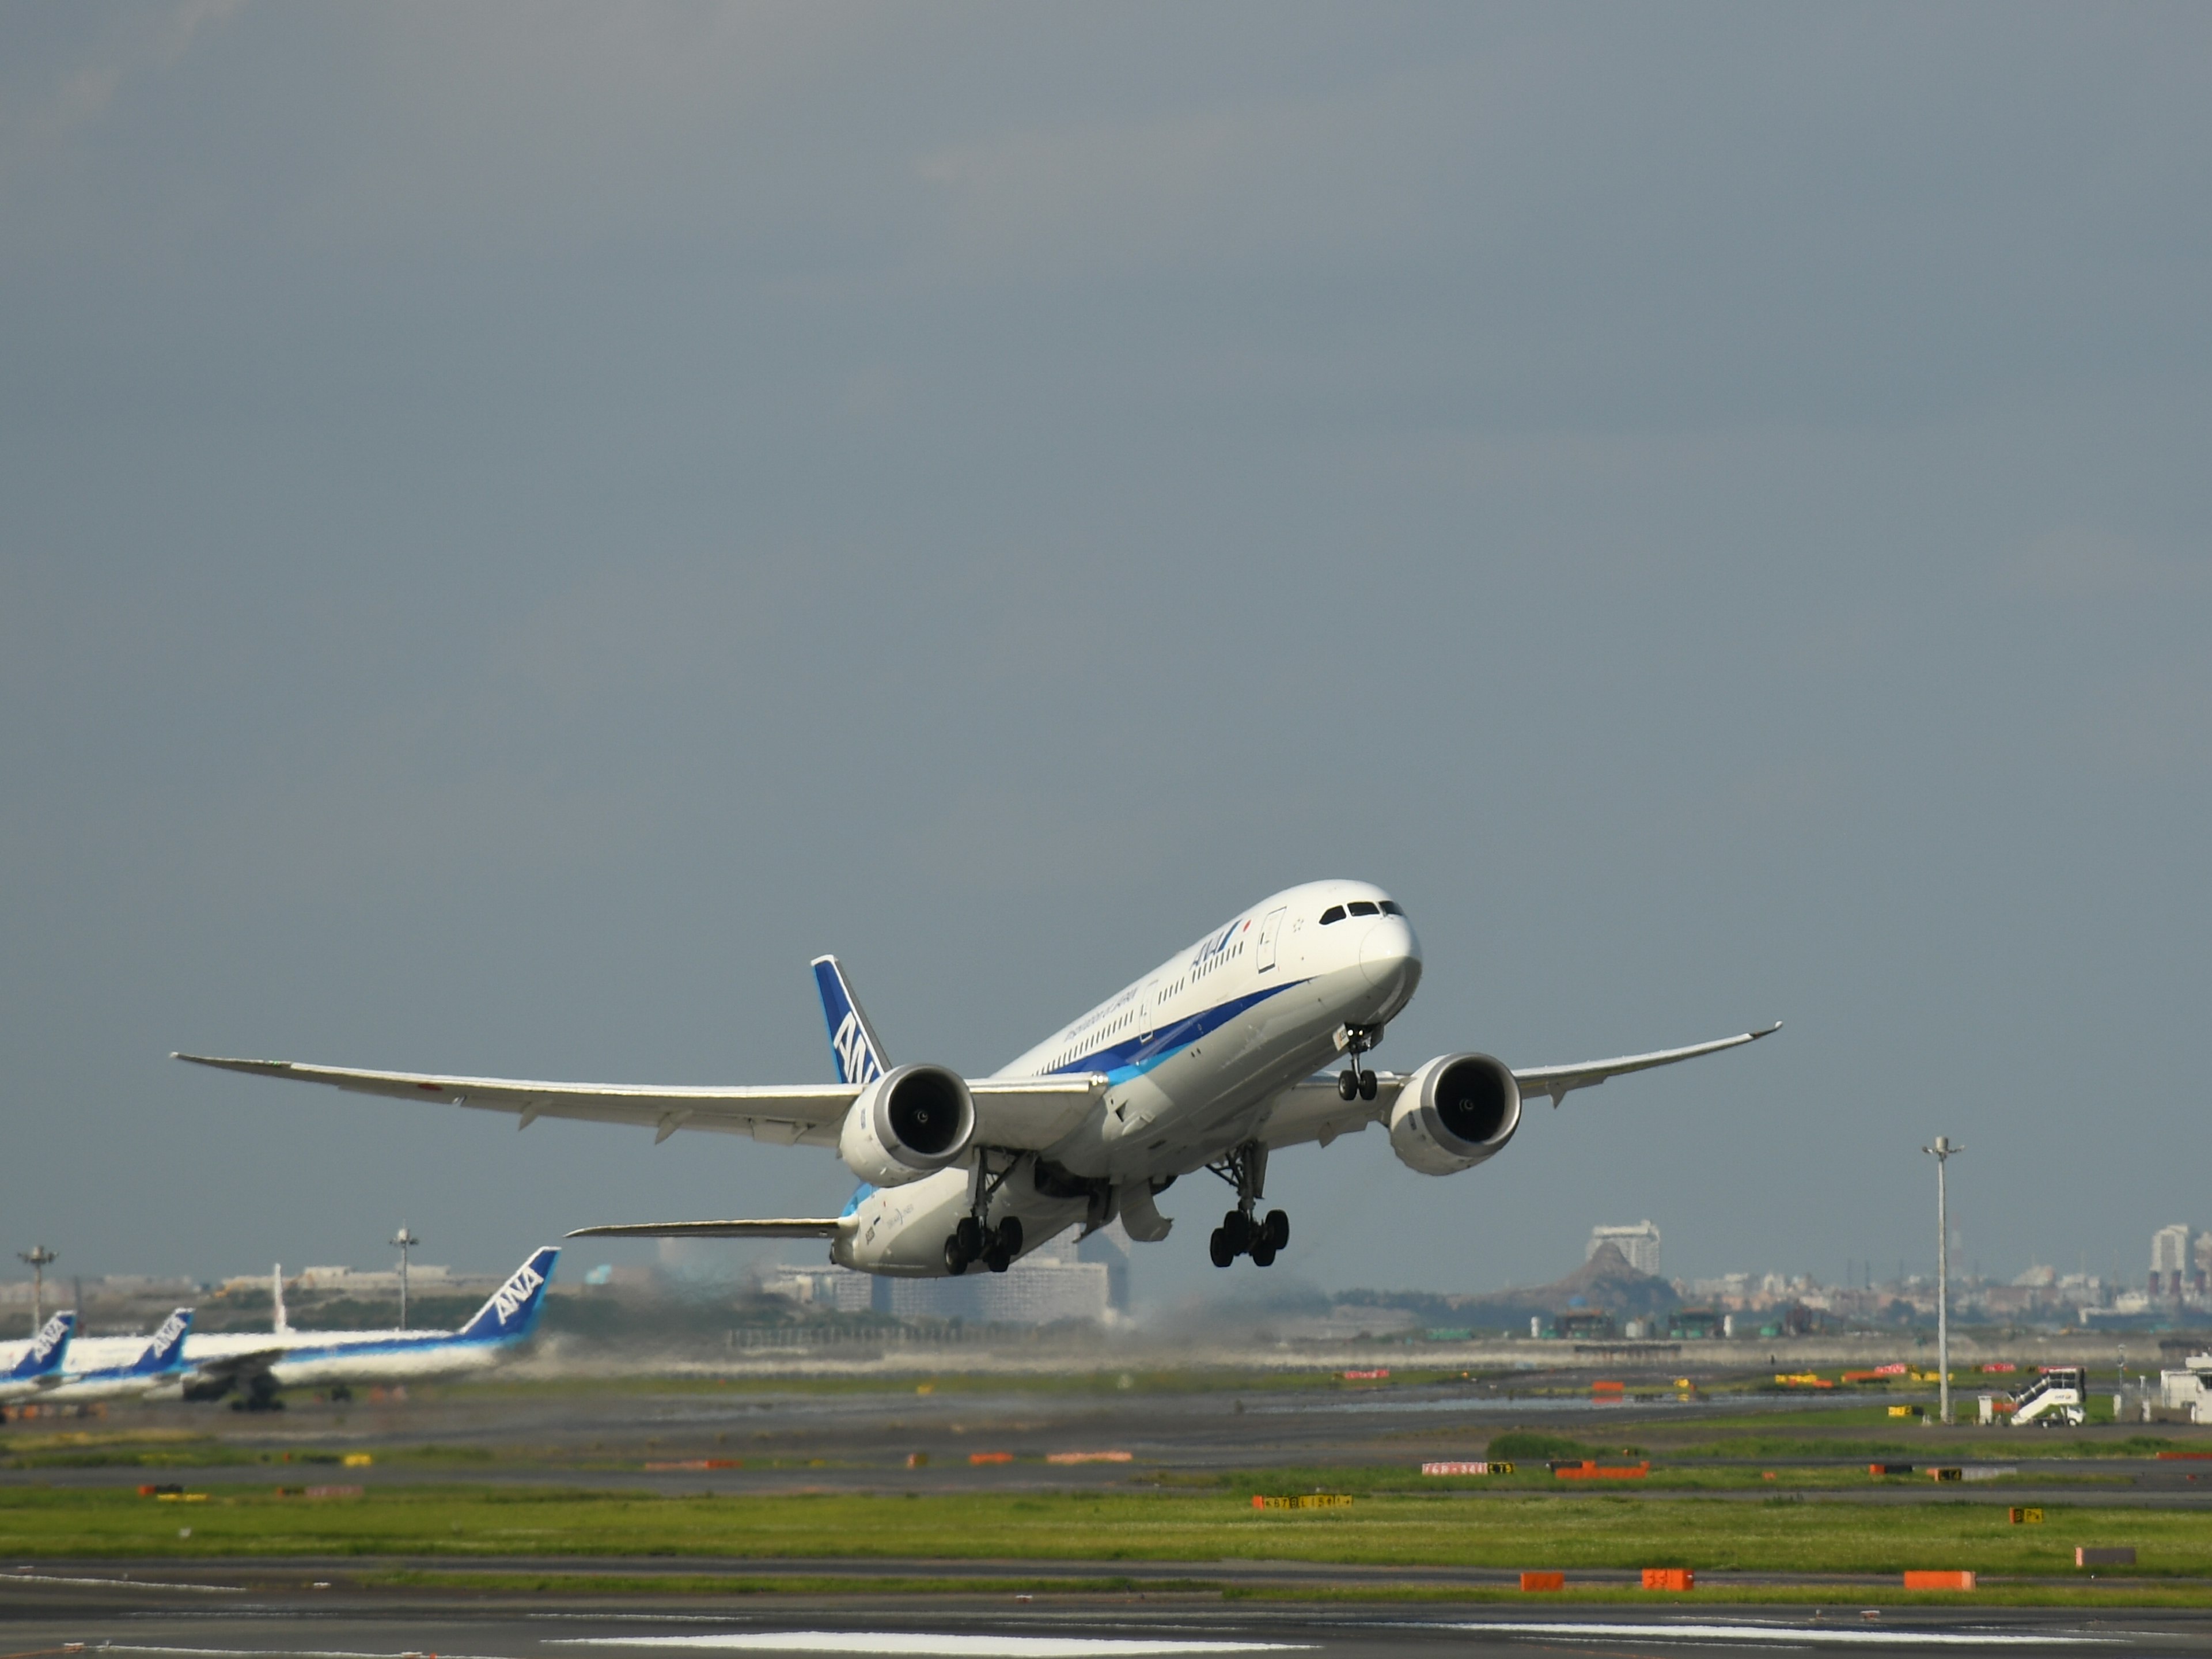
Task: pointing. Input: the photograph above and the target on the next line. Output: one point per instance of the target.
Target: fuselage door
(1145, 998)
(1271, 931)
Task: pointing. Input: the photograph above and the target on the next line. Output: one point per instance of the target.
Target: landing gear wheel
(1236, 1228)
(969, 1233)
(956, 1258)
(1367, 1085)
(1263, 1255)
(998, 1258)
(1274, 1232)
(1347, 1086)
(1219, 1248)
(1010, 1235)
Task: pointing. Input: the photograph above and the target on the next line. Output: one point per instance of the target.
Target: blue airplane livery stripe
(1131, 1058)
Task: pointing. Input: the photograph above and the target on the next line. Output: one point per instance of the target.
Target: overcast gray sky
(522, 524)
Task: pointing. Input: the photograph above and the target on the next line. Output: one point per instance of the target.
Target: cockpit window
(1392, 907)
(1363, 907)
(1334, 913)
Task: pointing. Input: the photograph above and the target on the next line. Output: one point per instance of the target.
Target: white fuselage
(1193, 1052)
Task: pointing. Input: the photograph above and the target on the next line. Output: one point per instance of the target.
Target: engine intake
(1454, 1112)
(909, 1122)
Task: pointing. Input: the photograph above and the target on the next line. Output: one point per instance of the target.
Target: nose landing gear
(1354, 1083)
(1241, 1232)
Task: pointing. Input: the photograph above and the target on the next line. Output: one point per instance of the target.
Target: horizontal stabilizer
(826, 1227)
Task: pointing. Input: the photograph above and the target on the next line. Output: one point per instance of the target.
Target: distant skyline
(525, 527)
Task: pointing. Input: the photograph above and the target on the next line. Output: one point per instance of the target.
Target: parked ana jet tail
(259, 1366)
(1207, 1063)
(38, 1367)
(158, 1364)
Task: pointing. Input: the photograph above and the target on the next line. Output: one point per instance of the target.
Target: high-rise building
(2170, 1260)
(1639, 1244)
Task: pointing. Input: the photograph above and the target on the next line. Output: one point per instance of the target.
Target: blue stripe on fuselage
(1123, 1060)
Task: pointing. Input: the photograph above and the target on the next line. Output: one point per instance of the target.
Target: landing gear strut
(1352, 1083)
(976, 1239)
(1241, 1232)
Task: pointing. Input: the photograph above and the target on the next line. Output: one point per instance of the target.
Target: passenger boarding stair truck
(2056, 1397)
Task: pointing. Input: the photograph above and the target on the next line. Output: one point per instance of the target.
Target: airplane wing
(1313, 1110)
(823, 1227)
(1556, 1080)
(1024, 1114)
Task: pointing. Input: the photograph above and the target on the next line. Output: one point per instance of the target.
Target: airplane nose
(1388, 948)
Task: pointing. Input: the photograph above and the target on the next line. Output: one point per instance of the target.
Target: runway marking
(1774, 1633)
(933, 1646)
(119, 1583)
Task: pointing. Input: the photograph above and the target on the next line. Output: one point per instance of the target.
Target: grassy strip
(1507, 1530)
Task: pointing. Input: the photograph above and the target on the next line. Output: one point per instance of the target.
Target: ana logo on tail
(512, 1310)
(513, 1296)
(854, 1058)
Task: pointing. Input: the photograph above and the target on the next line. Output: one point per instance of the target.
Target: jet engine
(1453, 1113)
(907, 1123)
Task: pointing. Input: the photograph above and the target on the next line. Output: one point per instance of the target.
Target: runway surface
(748, 1440)
(70, 1611)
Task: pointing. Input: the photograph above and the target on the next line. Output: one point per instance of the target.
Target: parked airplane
(161, 1362)
(40, 1365)
(258, 1365)
(1207, 1063)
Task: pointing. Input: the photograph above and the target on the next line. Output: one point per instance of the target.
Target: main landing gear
(1352, 1083)
(976, 1239)
(1241, 1232)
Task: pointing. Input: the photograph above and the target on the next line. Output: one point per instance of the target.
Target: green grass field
(1787, 1534)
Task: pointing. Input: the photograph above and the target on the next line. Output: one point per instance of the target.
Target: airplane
(258, 1364)
(160, 1362)
(1214, 1060)
(40, 1365)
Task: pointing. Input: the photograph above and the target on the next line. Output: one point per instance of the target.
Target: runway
(64, 1614)
(918, 1438)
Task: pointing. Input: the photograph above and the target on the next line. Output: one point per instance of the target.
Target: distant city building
(1049, 1285)
(1639, 1244)
(2170, 1262)
(837, 1289)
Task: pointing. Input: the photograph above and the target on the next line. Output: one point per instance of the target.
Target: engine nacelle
(909, 1122)
(1453, 1113)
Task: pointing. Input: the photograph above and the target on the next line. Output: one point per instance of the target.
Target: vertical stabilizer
(166, 1353)
(512, 1313)
(47, 1351)
(282, 1326)
(855, 1049)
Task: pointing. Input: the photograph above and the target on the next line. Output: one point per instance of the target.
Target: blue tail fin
(855, 1049)
(512, 1313)
(47, 1350)
(166, 1353)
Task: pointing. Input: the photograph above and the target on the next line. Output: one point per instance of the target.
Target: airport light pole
(1941, 1151)
(406, 1241)
(38, 1258)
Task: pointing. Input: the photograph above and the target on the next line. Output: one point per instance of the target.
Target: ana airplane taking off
(258, 1365)
(1207, 1063)
(40, 1364)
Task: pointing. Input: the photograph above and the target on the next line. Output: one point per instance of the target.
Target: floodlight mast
(406, 1240)
(1941, 1151)
(38, 1258)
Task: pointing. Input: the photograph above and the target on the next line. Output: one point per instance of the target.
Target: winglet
(855, 1049)
(47, 1350)
(512, 1313)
